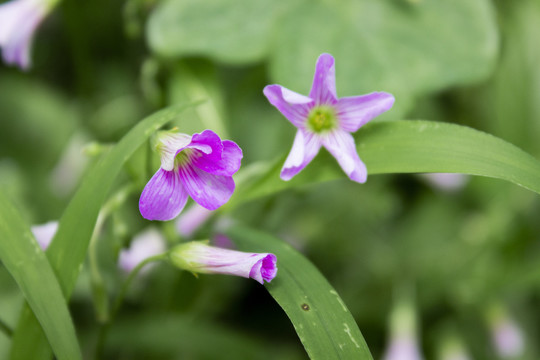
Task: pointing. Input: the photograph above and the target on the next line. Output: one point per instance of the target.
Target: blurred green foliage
(473, 63)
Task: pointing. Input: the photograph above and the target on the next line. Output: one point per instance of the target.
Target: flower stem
(99, 291)
(6, 329)
(119, 300)
(125, 287)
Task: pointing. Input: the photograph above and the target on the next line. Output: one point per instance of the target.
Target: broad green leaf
(404, 47)
(320, 317)
(234, 32)
(412, 146)
(68, 248)
(27, 263)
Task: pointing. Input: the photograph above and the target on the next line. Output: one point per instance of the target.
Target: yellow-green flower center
(322, 118)
(183, 157)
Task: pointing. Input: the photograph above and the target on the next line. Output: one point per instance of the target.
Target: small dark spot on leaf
(305, 307)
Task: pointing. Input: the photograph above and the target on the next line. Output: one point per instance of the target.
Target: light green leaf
(68, 248)
(404, 47)
(27, 263)
(411, 146)
(321, 319)
(233, 32)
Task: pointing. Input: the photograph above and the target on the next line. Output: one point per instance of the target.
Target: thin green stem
(131, 276)
(119, 300)
(8, 331)
(99, 291)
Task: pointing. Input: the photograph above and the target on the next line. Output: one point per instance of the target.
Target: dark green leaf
(321, 319)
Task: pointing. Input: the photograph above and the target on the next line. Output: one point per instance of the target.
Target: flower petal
(208, 190)
(44, 233)
(164, 197)
(304, 149)
(264, 269)
(323, 90)
(18, 22)
(341, 145)
(225, 162)
(207, 142)
(355, 111)
(170, 145)
(293, 106)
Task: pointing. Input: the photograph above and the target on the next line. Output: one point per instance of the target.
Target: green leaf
(321, 319)
(411, 146)
(378, 45)
(233, 32)
(194, 80)
(27, 263)
(68, 248)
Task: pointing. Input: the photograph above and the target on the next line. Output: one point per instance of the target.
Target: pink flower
(44, 233)
(146, 244)
(508, 338)
(200, 166)
(403, 348)
(446, 181)
(198, 257)
(323, 119)
(19, 20)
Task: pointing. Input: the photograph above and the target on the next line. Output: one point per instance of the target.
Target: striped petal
(163, 197)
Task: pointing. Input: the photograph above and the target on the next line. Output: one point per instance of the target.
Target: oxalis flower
(18, 22)
(146, 244)
(198, 257)
(200, 166)
(324, 120)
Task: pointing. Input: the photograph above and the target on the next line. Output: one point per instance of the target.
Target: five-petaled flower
(200, 166)
(324, 120)
(198, 257)
(18, 22)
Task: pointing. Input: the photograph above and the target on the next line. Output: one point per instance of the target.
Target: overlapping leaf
(68, 249)
(27, 263)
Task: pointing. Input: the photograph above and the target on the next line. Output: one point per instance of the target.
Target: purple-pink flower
(198, 257)
(508, 338)
(403, 348)
(44, 233)
(144, 245)
(323, 119)
(200, 166)
(18, 22)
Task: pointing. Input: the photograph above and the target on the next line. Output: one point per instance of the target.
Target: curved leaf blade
(66, 256)
(321, 319)
(28, 264)
(408, 146)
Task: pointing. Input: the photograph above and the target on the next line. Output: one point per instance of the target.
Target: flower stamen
(322, 118)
